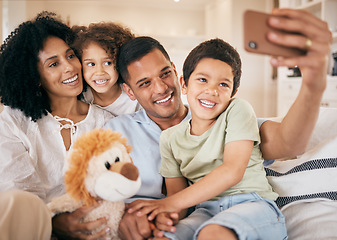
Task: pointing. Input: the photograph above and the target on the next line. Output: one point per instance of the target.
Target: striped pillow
(312, 175)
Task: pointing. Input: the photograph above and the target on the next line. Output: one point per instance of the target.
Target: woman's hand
(69, 225)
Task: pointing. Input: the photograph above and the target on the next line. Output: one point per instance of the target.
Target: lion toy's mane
(92, 144)
(98, 167)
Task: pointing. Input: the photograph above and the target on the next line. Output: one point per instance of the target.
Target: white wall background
(178, 29)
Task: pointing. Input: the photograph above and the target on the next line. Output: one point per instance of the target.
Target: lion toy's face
(100, 167)
(111, 175)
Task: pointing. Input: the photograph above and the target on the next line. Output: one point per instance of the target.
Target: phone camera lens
(252, 45)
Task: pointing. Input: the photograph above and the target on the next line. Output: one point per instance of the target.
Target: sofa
(307, 184)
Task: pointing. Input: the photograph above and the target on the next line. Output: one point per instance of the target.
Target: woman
(40, 80)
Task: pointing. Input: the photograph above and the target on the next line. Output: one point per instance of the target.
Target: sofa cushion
(307, 185)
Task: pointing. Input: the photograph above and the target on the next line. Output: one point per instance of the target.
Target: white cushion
(326, 127)
(307, 185)
(308, 220)
(312, 175)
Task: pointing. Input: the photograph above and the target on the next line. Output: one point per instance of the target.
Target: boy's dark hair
(216, 49)
(108, 35)
(134, 50)
(19, 75)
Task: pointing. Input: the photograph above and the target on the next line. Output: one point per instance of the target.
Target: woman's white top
(122, 105)
(32, 154)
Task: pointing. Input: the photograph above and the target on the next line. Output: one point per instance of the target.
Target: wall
(1, 19)
(142, 19)
(13, 13)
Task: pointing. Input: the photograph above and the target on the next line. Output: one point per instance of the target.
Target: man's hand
(133, 227)
(69, 225)
(314, 64)
(137, 227)
(165, 222)
(290, 137)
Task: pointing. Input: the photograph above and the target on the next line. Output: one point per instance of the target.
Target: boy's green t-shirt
(193, 157)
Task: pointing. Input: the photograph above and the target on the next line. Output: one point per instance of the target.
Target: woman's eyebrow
(55, 56)
(52, 57)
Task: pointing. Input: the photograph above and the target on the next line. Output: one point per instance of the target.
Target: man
(151, 78)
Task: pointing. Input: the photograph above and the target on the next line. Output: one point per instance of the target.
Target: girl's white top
(122, 105)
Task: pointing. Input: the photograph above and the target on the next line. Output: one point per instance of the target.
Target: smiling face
(60, 69)
(209, 91)
(153, 82)
(99, 71)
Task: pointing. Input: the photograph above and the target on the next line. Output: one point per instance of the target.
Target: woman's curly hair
(19, 75)
(108, 35)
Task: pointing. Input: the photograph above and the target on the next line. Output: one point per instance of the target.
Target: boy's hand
(69, 225)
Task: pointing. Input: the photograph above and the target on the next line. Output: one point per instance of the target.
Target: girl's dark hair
(216, 49)
(19, 75)
(135, 49)
(108, 35)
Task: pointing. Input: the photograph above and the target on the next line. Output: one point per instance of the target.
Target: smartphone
(255, 36)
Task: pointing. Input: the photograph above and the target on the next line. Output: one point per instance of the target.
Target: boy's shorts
(248, 215)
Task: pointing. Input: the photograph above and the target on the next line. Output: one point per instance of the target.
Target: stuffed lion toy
(98, 168)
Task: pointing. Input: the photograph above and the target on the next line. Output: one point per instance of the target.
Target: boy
(217, 154)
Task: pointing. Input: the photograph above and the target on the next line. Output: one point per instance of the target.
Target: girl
(97, 46)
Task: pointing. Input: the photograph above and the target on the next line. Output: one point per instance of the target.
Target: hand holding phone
(255, 36)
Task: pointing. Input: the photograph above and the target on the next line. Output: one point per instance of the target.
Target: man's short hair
(135, 49)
